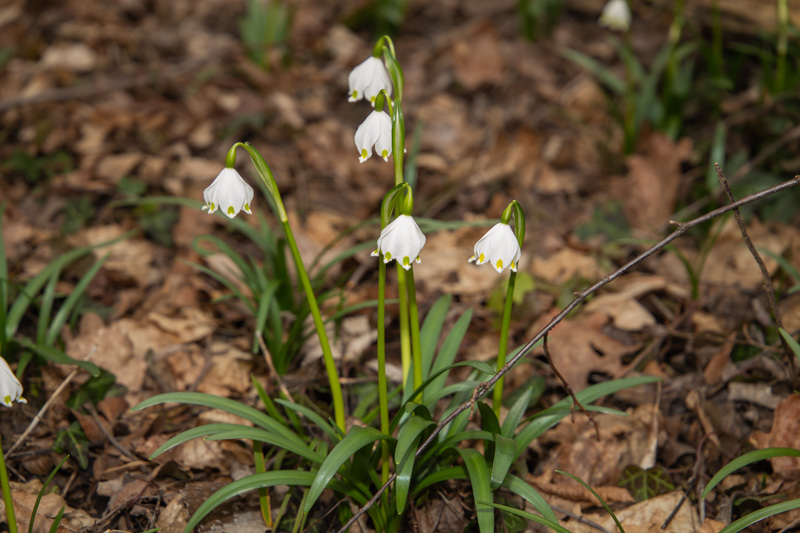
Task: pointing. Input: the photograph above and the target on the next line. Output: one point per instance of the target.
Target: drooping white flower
(401, 240)
(368, 79)
(375, 131)
(10, 387)
(499, 247)
(616, 15)
(228, 192)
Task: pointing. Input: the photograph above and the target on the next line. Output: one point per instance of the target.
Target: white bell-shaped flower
(499, 247)
(228, 192)
(401, 240)
(368, 79)
(10, 387)
(616, 15)
(375, 131)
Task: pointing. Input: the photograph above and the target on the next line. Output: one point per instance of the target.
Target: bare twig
(48, 403)
(107, 434)
(569, 389)
(268, 359)
(681, 228)
(580, 519)
(766, 281)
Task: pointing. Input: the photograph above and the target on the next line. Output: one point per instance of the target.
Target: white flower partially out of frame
(10, 387)
(499, 247)
(375, 131)
(368, 79)
(616, 15)
(401, 240)
(228, 192)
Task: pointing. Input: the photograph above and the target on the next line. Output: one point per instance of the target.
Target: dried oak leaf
(579, 347)
(785, 434)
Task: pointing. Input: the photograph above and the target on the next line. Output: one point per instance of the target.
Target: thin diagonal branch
(682, 227)
(766, 281)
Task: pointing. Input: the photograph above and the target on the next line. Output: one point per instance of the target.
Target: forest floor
(110, 111)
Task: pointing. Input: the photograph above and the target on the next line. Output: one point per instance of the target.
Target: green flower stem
(383, 396)
(405, 336)
(266, 176)
(497, 399)
(6, 487)
(416, 349)
(327, 355)
(263, 493)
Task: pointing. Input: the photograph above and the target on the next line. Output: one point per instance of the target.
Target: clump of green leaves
(537, 17)
(316, 455)
(265, 29)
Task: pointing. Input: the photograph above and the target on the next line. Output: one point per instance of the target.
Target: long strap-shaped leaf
(225, 404)
(746, 459)
(518, 486)
(261, 435)
(761, 514)
(479, 478)
(246, 484)
(357, 438)
(404, 456)
(552, 524)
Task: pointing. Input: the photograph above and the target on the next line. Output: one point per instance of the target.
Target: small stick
(107, 434)
(569, 389)
(766, 282)
(271, 366)
(46, 406)
(681, 228)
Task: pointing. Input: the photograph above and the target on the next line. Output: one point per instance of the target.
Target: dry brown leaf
(623, 441)
(579, 347)
(566, 264)
(719, 361)
(710, 526)
(114, 167)
(730, 263)
(651, 186)
(785, 433)
(622, 305)
(478, 59)
(114, 351)
(648, 516)
(24, 496)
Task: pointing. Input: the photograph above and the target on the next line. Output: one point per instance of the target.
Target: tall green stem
(497, 399)
(416, 349)
(6, 487)
(266, 176)
(383, 396)
(327, 355)
(405, 335)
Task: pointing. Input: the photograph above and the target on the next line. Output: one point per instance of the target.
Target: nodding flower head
(228, 192)
(499, 247)
(401, 240)
(10, 387)
(375, 131)
(616, 15)
(368, 79)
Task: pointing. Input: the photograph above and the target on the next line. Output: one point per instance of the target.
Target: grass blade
(746, 459)
(519, 487)
(357, 438)
(761, 514)
(246, 484)
(552, 524)
(479, 478)
(601, 500)
(504, 453)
